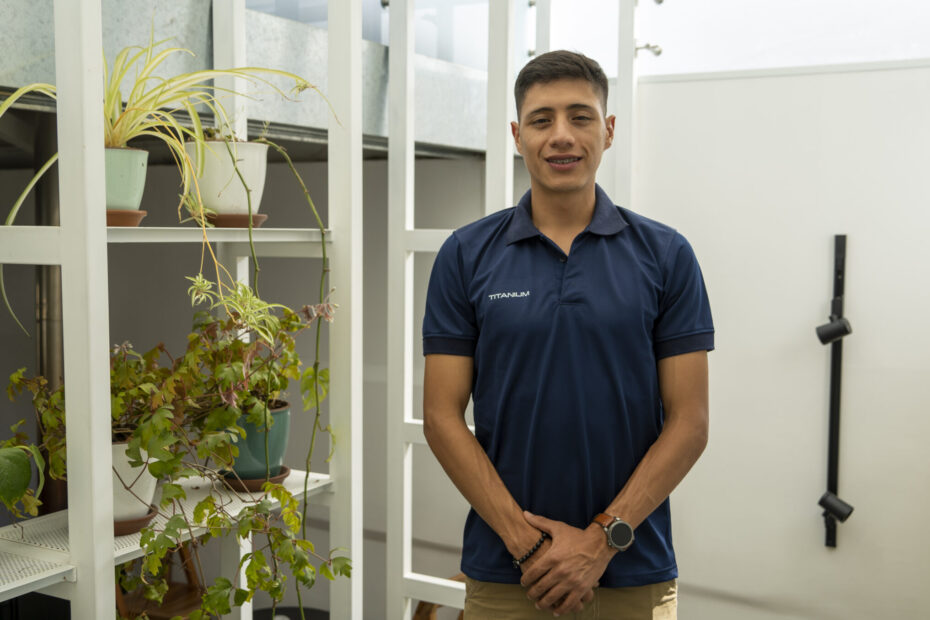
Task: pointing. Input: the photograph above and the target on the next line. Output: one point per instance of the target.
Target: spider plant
(167, 109)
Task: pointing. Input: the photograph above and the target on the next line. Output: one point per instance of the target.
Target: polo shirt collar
(607, 219)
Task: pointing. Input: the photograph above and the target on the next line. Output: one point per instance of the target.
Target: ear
(515, 130)
(610, 122)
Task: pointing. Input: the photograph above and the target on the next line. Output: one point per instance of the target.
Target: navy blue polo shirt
(566, 392)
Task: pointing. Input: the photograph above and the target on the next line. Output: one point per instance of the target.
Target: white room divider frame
(625, 96)
(404, 240)
(79, 565)
(344, 76)
(344, 171)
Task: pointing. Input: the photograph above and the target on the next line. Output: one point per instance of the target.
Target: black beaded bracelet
(529, 554)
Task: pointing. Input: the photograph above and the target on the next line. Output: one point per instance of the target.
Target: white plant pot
(134, 504)
(220, 187)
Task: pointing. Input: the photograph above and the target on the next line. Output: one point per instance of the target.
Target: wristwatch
(619, 532)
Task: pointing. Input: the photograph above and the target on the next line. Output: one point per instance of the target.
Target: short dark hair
(560, 65)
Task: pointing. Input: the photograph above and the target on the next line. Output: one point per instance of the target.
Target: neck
(564, 211)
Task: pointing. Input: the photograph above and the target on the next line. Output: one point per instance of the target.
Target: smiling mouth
(562, 160)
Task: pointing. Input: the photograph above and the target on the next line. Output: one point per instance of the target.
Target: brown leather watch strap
(603, 519)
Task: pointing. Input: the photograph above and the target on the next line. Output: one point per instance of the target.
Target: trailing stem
(324, 276)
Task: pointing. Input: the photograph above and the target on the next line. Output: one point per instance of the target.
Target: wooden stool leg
(187, 562)
(121, 602)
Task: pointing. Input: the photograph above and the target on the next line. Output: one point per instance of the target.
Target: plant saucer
(236, 220)
(254, 484)
(124, 527)
(125, 217)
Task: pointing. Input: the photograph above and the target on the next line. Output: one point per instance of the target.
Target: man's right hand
(536, 557)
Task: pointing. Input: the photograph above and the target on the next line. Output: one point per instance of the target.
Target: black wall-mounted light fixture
(832, 333)
(835, 507)
(834, 330)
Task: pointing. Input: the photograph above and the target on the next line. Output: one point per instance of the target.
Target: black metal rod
(833, 452)
(836, 378)
(839, 270)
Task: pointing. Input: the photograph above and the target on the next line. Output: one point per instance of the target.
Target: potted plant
(164, 108)
(250, 375)
(190, 418)
(230, 176)
(140, 411)
(236, 366)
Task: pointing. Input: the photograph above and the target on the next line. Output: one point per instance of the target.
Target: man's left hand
(569, 569)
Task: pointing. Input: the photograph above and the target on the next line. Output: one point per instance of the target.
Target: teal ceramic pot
(250, 464)
(125, 172)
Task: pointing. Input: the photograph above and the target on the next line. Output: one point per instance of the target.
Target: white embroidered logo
(494, 296)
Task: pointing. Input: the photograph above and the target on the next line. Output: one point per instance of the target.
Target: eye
(539, 121)
(583, 118)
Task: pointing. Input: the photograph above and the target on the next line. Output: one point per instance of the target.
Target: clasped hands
(562, 574)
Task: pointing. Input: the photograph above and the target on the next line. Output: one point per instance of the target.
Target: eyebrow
(572, 106)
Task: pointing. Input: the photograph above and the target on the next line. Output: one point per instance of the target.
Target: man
(581, 332)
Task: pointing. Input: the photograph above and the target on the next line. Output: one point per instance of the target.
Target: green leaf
(241, 596)
(40, 467)
(16, 383)
(216, 598)
(171, 492)
(342, 566)
(314, 386)
(15, 474)
(203, 507)
(326, 572)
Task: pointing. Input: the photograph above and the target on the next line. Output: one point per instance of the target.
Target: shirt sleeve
(449, 326)
(684, 323)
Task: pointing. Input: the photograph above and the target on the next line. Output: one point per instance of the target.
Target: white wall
(728, 35)
(760, 174)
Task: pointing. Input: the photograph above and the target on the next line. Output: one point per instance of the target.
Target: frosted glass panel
(589, 27)
(306, 11)
(451, 30)
(729, 35)
(723, 35)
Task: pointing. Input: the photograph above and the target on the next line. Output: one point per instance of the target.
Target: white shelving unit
(71, 554)
(35, 554)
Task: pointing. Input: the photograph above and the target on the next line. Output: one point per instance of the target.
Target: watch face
(621, 534)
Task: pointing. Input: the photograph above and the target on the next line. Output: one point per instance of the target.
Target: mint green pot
(125, 172)
(250, 464)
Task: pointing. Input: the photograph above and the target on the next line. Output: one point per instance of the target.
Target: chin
(567, 187)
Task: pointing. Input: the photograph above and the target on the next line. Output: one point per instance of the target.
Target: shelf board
(41, 245)
(30, 245)
(191, 234)
(35, 553)
(21, 574)
(276, 242)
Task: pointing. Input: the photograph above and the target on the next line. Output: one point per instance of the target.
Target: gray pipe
(49, 336)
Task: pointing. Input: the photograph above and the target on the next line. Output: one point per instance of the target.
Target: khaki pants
(502, 601)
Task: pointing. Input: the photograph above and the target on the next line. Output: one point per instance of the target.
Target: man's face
(562, 134)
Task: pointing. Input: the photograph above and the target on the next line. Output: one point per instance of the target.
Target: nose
(561, 136)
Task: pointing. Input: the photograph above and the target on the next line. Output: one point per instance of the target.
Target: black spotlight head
(834, 330)
(835, 507)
